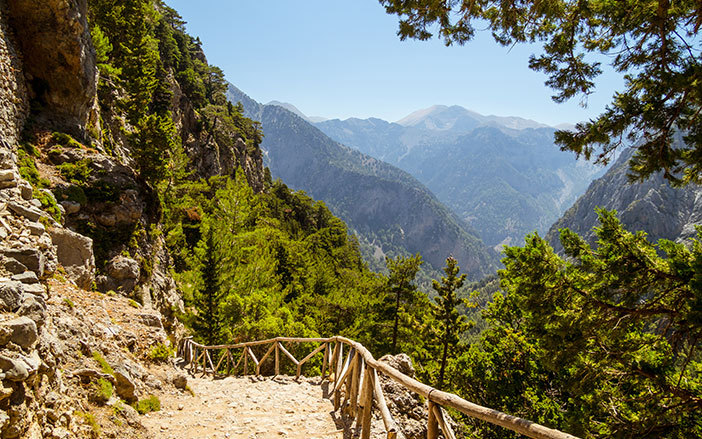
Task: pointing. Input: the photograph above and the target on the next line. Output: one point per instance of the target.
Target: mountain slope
(502, 175)
(662, 211)
(385, 205)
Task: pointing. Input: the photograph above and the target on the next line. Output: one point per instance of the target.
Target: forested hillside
(388, 208)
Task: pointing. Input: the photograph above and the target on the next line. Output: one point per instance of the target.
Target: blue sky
(342, 58)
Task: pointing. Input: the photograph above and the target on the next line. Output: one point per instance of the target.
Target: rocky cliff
(653, 206)
(77, 214)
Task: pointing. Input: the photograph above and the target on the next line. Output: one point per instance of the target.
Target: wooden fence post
(277, 358)
(325, 360)
(368, 387)
(432, 423)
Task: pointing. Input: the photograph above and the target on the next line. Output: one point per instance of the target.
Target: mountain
(662, 211)
(387, 207)
(290, 107)
(502, 175)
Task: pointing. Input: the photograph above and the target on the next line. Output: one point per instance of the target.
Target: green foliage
(451, 324)
(48, 203)
(148, 405)
(65, 140)
(76, 173)
(654, 44)
(68, 302)
(26, 155)
(614, 329)
(103, 390)
(104, 365)
(402, 291)
(160, 353)
(134, 304)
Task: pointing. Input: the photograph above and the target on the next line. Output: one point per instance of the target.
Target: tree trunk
(397, 318)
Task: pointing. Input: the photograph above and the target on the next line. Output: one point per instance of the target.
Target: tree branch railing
(356, 387)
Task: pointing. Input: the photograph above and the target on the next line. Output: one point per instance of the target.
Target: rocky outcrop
(58, 61)
(654, 206)
(75, 254)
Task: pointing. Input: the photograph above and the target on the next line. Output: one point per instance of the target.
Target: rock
(14, 266)
(31, 213)
(4, 419)
(36, 228)
(28, 277)
(123, 274)
(91, 374)
(26, 190)
(125, 387)
(107, 220)
(23, 331)
(32, 362)
(8, 184)
(34, 308)
(35, 289)
(61, 433)
(401, 362)
(180, 381)
(71, 207)
(153, 382)
(151, 320)
(13, 369)
(10, 294)
(31, 258)
(75, 254)
(7, 175)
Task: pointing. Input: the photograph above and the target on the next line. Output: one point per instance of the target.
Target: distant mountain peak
(293, 109)
(443, 117)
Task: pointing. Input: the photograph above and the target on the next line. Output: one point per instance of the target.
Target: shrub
(89, 419)
(160, 353)
(65, 140)
(68, 302)
(76, 173)
(48, 203)
(148, 405)
(133, 303)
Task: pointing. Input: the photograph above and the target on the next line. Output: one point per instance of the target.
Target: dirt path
(252, 408)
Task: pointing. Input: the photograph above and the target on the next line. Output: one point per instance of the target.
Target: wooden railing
(356, 373)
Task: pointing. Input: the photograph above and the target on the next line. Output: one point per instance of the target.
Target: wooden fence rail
(356, 387)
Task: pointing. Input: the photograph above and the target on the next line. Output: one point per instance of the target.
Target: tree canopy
(655, 44)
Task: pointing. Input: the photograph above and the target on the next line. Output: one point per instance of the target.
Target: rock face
(58, 60)
(653, 206)
(75, 254)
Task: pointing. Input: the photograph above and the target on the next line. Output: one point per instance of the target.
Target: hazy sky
(342, 58)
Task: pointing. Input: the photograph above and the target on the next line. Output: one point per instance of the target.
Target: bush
(89, 419)
(48, 203)
(76, 173)
(148, 405)
(160, 353)
(65, 140)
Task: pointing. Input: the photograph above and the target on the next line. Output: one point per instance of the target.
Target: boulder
(75, 254)
(125, 387)
(152, 320)
(70, 207)
(36, 228)
(36, 289)
(23, 331)
(13, 369)
(30, 257)
(10, 294)
(124, 274)
(14, 266)
(180, 381)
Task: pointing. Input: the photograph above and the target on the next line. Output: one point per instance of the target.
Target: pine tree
(451, 322)
(402, 273)
(207, 300)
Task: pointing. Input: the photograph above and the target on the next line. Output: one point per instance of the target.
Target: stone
(7, 175)
(28, 277)
(10, 294)
(23, 331)
(33, 307)
(26, 190)
(13, 369)
(4, 419)
(32, 362)
(75, 254)
(14, 266)
(152, 320)
(107, 220)
(35, 289)
(180, 381)
(36, 228)
(31, 258)
(31, 213)
(8, 184)
(123, 274)
(125, 387)
(71, 207)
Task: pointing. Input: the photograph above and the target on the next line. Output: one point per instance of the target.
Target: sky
(343, 58)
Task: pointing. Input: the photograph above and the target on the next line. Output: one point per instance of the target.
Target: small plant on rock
(104, 365)
(148, 405)
(103, 390)
(89, 419)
